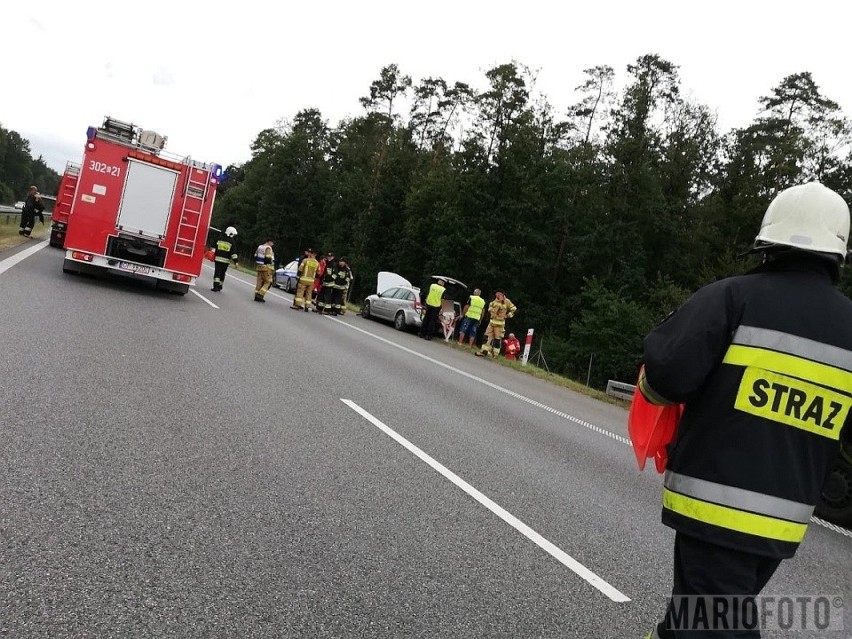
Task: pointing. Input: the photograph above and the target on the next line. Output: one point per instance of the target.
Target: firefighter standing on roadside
(346, 281)
(323, 265)
(32, 206)
(763, 364)
(325, 297)
(498, 312)
(307, 272)
(264, 261)
(226, 252)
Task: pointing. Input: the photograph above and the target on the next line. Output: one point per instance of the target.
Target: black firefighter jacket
(763, 362)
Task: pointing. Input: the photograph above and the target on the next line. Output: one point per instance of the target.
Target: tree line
(597, 220)
(19, 171)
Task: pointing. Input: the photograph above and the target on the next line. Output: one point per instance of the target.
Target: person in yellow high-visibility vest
(472, 313)
(433, 309)
(499, 311)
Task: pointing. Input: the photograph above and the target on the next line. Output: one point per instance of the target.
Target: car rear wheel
(365, 311)
(399, 321)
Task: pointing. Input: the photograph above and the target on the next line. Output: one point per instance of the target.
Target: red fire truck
(135, 210)
(64, 200)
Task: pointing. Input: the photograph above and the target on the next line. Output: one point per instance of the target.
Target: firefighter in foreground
(264, 260)
(226, 252)
(304, 289)
(499, 311)
(763, 364)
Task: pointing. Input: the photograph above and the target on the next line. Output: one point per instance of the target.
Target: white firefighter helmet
(809, 217)
(230, 231)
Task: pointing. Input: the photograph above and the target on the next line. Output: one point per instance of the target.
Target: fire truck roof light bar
(148, 142)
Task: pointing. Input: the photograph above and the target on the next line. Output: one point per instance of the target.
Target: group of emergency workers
(473, 313)
(323, 283)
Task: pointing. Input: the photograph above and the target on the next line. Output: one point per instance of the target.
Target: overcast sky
(212, 75)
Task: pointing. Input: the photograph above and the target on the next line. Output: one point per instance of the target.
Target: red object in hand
(651, 429)
(210, 254)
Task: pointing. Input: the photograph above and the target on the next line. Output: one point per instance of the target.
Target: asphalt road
(206, 466)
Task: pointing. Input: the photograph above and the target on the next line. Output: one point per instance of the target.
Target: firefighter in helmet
(307, 272)
(499, 311)
(763, 364)
(226, 253)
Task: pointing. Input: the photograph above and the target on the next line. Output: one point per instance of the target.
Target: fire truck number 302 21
(100, 167)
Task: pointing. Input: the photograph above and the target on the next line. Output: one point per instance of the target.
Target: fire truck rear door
(147, 199)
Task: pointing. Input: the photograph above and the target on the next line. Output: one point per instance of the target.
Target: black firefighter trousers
(703, 568)
(219, 270)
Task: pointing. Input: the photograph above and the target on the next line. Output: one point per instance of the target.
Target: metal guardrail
(620, 389)
(10, 212)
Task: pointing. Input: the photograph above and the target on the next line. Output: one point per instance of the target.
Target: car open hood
(387, 280)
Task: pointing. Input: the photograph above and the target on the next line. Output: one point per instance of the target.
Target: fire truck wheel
(67, 267)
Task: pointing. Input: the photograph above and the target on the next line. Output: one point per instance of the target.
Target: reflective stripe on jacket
(500, 310)
(225, 251)
(763, 362)
(264, 255)
(308, 269)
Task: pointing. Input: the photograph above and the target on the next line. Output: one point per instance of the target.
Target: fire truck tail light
(79, 255)
(180, 277)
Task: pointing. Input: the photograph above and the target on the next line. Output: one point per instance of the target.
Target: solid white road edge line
(560, 555)
(9, 262)
(511, 393)
(550, 409)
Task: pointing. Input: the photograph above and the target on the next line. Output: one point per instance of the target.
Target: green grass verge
(9, 237)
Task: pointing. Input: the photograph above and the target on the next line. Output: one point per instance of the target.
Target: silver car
(398, 302)
(287, 277)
